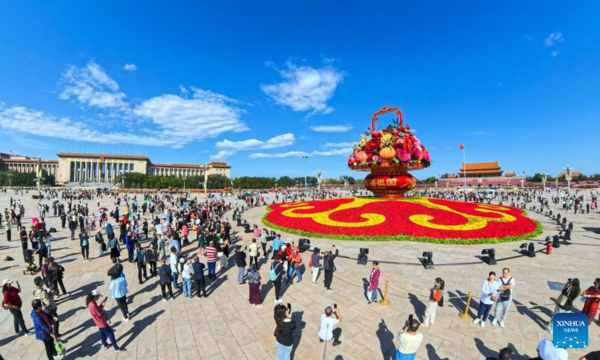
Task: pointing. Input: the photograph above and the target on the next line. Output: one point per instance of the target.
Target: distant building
(574, 175)
(481, 175)
(104, 168)
(25, 164)
(490, 169)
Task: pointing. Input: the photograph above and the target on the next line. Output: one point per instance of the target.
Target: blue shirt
(118, 287)
(176, 245)
(277, 244)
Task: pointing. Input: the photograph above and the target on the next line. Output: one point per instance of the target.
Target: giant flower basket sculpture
(389, 154)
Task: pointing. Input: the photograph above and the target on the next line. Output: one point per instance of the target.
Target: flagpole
(465, 171)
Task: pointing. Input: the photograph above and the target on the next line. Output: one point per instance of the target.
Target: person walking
(254, 286)
(240, 262)
(57, 276)
(99, 318)
(139, 257)
(506, 285)
(151, 258)
(114, 247)
(276, 275)
(129, 244)
(284, 333)
(198, 275)
(435, 299)
(84, 242)
(329, 266)
(173, 264)
(295, 264)
(186, 279)
(211, 260)
(564, 303)
(329, 322)
(409, 341)
(164, 276)
(118, 290)
(373, 283)
(315, 265)
(100, 241)
(161, 247)
(12, 301)
(263, 241)
(43, 329)
(489, 294)
(592, 295)
(253, 253)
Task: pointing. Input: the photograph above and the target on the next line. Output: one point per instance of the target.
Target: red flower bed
(416, 219)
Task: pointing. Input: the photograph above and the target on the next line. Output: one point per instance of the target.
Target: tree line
(15, 178)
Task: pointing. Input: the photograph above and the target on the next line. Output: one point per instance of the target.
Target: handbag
(60, 348)
(562, 299)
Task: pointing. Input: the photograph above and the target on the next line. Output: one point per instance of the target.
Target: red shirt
(11, 297)
(97, 315)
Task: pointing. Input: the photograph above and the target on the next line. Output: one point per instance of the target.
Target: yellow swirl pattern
(473, 222)
(323, 217)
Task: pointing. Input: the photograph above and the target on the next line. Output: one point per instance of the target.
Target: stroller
(30, 259)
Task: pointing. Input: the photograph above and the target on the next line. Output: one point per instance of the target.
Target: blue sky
(257, 83)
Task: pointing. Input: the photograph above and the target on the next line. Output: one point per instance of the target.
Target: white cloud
(553, 39)
(335, 152)
(223, 155)
(555, 53)
(254, 144)
(331, 128)
(130, 67)
(339, 145)
(206, 114)
(168, 120)
(23, 120)
(305, 88)
(92, 86)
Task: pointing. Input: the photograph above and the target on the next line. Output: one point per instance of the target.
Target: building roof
(187, 166)
(106, 156)
(574, 174)
(481, 166)
(28, 160)
(219, 164)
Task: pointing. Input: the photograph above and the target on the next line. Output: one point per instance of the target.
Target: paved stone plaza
(225, 326)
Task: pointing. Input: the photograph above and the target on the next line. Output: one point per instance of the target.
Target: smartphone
(289, 306)
(105, 298)
(410, 318)
(335, 306)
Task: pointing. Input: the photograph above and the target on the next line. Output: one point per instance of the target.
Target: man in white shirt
(328, 329)
(409, 340)
(506, 284)
(547, 351)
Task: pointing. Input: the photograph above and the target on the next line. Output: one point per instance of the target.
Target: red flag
(462, 146)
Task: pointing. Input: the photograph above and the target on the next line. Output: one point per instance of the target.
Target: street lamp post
(544, 180)
(184, 179)
(9, 180)
(305, 157)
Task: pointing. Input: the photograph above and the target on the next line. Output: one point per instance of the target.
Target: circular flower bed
(414, 219)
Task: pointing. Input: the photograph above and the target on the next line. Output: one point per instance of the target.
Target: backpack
(505, 294)
(272, 274)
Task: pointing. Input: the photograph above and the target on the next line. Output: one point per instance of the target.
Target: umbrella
(103, 209)
(56, 201)
(34, 220)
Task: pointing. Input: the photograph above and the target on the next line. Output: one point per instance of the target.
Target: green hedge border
(450, 241)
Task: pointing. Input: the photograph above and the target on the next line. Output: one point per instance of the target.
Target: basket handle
(384, 110)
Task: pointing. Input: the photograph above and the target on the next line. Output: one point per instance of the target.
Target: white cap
(96, 292)
(6, 281)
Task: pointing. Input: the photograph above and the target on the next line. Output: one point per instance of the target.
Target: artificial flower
(372, 145)
(403, 155)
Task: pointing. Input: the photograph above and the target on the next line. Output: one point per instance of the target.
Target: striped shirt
(211, 254)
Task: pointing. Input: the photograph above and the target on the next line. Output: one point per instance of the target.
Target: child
(435, 296)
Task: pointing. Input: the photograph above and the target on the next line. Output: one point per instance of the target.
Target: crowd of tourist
(185, 244)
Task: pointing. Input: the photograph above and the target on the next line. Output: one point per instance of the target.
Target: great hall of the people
(104, 168)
